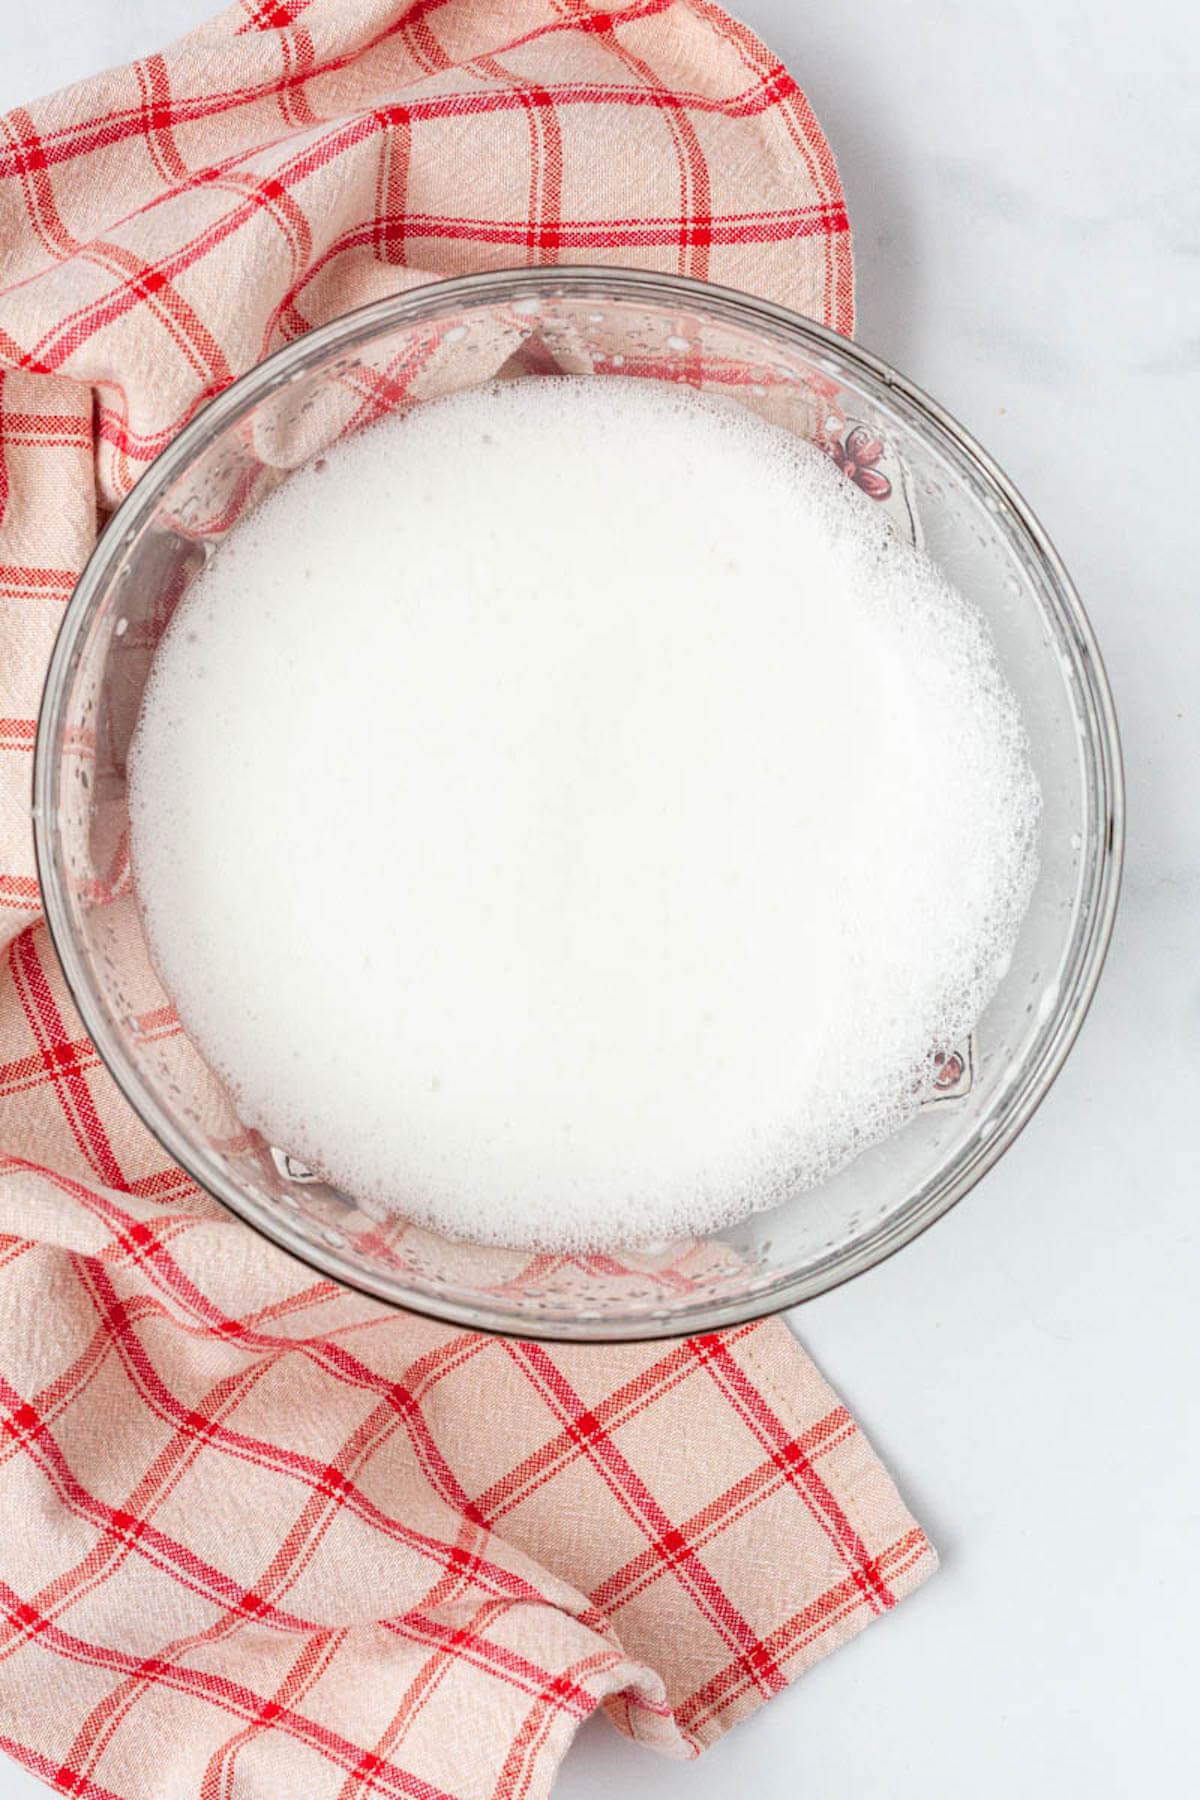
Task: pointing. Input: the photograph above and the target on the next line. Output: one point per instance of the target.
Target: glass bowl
(941, 489)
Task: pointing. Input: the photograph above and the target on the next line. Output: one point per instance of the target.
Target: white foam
(570, 815)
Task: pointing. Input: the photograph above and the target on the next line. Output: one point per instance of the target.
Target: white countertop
(1022, 176)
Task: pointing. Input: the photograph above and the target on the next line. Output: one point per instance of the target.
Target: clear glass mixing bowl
(940, 488)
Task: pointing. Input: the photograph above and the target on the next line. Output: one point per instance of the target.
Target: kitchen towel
(259, 1535)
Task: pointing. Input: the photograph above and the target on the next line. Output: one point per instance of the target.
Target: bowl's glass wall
(605, 326)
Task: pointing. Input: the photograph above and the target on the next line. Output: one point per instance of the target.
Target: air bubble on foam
(682, 810)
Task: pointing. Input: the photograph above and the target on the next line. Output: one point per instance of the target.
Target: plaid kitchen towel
(260, 1536)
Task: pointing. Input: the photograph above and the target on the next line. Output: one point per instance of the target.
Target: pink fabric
(263, 1536)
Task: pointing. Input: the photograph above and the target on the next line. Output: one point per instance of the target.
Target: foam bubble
(573, 816)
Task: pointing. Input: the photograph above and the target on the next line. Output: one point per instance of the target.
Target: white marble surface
(1023, 178)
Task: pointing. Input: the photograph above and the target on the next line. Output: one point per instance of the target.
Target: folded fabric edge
(882, 1552)
(879, 1552)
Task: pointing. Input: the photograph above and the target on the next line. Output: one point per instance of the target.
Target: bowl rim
(426, 301)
